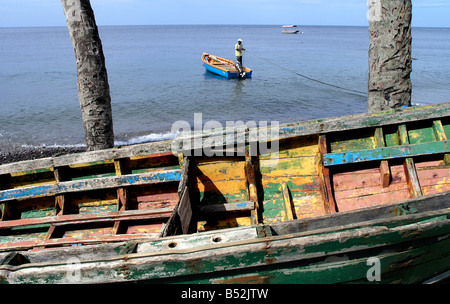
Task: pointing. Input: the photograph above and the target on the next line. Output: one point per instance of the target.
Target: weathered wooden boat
(361, 198)
(224, 67)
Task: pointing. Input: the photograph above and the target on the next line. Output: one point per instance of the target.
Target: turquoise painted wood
(332, 159)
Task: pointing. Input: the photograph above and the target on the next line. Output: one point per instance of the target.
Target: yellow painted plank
(91, 164)
(236, 188)
(23, 173)
(32, 184)
(300, 166)
(220, 171)
(289, 148)
(295, 183)
(224, 223)
(309, 206)
(98, 203)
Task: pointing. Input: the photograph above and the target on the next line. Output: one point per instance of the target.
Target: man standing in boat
(239, 48)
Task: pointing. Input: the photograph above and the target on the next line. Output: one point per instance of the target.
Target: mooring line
(309, 78)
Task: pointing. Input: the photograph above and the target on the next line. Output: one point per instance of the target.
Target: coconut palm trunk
(389, 82)
(93, 87)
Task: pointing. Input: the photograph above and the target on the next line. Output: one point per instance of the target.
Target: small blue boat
(224, 67)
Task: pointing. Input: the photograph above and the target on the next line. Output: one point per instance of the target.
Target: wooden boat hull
(410, 249)
(224, 68)
(362, 198)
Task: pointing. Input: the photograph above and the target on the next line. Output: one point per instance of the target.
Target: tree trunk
(389, 54)
(93, 87)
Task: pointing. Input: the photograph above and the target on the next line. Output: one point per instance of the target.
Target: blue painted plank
(333, 159)
(91, 184)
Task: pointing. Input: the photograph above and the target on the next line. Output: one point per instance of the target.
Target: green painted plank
(350, 141)
(423, 135)
(332, 159)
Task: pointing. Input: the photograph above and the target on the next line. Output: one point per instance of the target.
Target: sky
(30, 13)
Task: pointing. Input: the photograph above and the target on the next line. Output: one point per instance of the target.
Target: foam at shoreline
(15, 153)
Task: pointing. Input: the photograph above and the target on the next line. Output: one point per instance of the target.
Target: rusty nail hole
(217, 239)
(173, 245)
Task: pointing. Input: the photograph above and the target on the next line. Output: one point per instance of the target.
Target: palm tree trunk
(93, 87)
(389, 54)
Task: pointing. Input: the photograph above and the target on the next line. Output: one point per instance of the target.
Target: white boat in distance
(289, 29)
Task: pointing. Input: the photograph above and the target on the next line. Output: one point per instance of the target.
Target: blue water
(157, 78)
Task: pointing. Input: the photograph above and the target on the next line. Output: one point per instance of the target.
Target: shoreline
(22, 154)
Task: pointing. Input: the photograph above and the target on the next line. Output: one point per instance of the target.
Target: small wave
(146, 138)
(53, 146)
(153, 137)
(419, 104)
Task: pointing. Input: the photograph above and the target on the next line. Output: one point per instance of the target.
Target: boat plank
(332, 159)
(232, 221)
(297, 166)
(361, 202)
(367, 178)
(91, 184)
(229, 207)
(309, 206)
(220, 171)
(298, 147)
(87, 157)
(89, 218)
(41, 242)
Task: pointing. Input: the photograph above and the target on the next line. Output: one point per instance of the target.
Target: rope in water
(309, 78)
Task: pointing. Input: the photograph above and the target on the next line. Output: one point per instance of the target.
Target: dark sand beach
(21, 154)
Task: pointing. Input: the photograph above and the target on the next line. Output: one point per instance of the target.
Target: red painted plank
(89, 218)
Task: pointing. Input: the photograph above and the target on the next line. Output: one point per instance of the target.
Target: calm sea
(157, 78)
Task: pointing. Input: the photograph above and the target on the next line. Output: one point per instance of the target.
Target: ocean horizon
(156, 78)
